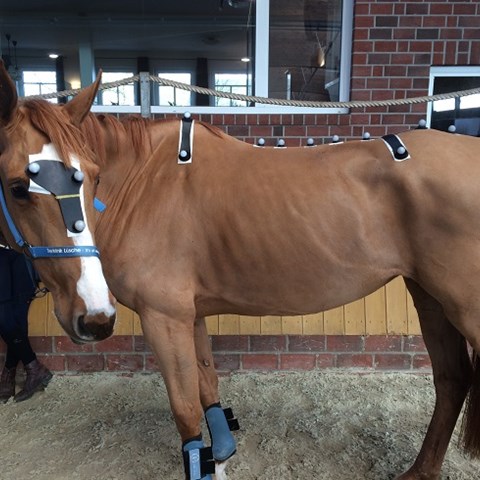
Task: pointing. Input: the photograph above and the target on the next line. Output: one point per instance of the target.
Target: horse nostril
(81, 327)
(94, 328)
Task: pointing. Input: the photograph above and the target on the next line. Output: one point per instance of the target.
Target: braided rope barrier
(72, 92)
(270, 101)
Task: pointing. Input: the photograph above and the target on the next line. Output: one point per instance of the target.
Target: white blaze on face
(91, 287)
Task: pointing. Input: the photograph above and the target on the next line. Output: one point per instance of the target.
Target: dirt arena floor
(314, 425)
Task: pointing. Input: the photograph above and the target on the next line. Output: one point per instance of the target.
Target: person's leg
(22, 350)
(14, 331)
(7, 383)
(11, 357)
(7, 377)
(38, 375)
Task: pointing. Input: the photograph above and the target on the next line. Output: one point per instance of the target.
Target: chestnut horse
(198, 223)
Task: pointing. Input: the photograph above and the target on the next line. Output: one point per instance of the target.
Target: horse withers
(258, 231)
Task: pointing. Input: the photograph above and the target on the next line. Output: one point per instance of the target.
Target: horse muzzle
(92, 328)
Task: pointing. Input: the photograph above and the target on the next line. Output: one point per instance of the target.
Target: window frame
(158, 86)
(22, 83)
(126, 74)
(452, 72)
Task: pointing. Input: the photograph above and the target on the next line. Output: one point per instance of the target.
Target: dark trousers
(16, 291)
(14, 332)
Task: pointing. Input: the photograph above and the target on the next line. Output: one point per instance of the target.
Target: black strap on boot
(231, 420)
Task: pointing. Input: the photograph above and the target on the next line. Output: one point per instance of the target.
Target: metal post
(288, 85)
(145, 104)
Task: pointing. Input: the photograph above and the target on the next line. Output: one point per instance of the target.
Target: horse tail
(470, 432)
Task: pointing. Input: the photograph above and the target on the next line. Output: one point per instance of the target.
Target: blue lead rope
(47, 252)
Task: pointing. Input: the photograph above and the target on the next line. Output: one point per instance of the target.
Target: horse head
(48, 181)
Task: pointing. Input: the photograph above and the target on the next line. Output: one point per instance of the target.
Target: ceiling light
(245, 59)
(53, 55)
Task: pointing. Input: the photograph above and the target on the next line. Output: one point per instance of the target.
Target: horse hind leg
(467, 320)
(452, 377)
(471, 420)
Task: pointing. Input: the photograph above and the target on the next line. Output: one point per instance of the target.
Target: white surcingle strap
(185, 142)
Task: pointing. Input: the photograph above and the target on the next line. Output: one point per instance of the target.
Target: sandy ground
(314, 425)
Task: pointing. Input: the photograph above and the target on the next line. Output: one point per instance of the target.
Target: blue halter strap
(44, 252)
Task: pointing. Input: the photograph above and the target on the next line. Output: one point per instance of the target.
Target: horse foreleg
(172, 342)
(219, 426)
(206, 370)
(451, 371)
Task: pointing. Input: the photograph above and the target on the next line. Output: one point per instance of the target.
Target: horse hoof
(220, 471)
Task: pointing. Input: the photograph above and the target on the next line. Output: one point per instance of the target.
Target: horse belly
(294, 274)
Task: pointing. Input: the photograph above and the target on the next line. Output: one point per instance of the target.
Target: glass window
(305, 49)
(232, 83)
(463, 112)
(470, 101)
(121, 95)
(175, 97)
(39, 82)
(444, 105)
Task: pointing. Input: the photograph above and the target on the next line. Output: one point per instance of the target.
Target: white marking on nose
(91, 285)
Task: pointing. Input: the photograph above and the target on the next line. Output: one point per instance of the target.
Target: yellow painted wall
(389, 310)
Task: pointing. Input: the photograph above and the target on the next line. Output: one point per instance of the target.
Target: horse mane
(53, 122)
(89, 141)
(212, 129)
(132, 128)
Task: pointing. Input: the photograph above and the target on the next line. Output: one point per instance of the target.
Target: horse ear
(8, 96)
(79, 106)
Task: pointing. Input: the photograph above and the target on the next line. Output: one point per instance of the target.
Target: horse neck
(134, 140)
(127, 154)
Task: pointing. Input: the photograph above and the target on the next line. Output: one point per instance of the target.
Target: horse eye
(97, 180)
(19, 191)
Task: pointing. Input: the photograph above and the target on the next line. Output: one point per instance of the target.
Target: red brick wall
(126, 353)
(396, 43)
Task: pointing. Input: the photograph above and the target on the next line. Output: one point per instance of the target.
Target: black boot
(7, 383)
(38, 376)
